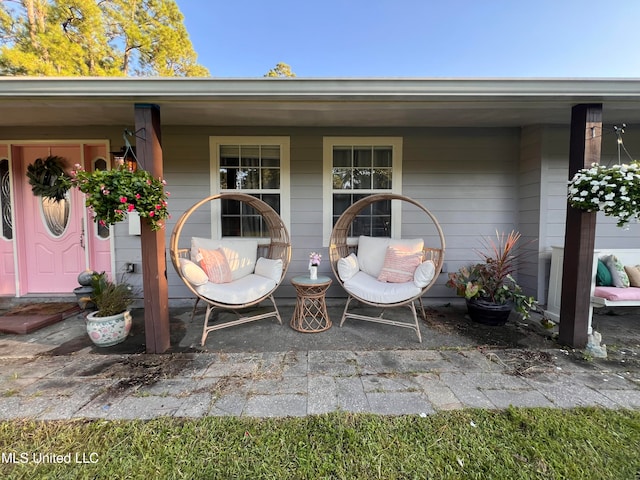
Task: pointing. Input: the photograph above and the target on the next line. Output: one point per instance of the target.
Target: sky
(416, 38)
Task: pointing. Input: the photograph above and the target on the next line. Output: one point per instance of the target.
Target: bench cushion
(633, 272)
(366, 287)
(619, 277)
(247, 289)
(616, 294)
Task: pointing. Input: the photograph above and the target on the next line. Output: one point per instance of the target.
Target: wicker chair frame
(279, 247)
(339, 247)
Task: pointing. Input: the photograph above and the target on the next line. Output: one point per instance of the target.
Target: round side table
(310, 314)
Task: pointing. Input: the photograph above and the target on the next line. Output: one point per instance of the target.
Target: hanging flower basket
(613, 190)
(48, 178)
(112, 194)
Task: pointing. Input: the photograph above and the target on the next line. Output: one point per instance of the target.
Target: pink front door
(50, 238)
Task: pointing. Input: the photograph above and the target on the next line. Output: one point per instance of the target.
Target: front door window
(55, 214)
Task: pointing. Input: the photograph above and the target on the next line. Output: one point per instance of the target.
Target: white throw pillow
(241, 253)
(424, 273)
(193, 273)
(269, 268)
(348, 267)
(371, 252)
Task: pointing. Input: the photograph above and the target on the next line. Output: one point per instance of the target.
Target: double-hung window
(258, 166)
(355, 168)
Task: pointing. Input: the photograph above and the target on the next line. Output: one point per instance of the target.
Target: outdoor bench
(601, 296)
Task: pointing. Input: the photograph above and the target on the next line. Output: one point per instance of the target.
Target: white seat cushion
(193, 273)
(424, 273)
(269, 268)
(244, 290)
(366, 287)
(348, 267)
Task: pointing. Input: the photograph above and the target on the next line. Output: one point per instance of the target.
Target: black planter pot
(488, 313)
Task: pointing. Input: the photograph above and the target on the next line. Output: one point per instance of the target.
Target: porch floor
(266, 369)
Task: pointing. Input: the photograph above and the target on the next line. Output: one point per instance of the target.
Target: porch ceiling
(309, 102)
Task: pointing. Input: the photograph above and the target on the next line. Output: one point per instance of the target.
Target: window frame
(284, 142)
(328, 143)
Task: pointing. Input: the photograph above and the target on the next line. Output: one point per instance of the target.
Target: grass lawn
(508, 444)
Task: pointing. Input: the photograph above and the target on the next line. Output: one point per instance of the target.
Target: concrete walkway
(57, 373)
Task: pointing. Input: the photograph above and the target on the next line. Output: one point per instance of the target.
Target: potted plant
(314, 263)
(613, 190)
(112, 194)
(490, 290)
(111, 322)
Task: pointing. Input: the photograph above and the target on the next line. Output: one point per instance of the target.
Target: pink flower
(119, 212)
(152, 213)
(137, 196)
(102, 222)
(123, 199)
(130, 207)
(148, 182)
(164, 182)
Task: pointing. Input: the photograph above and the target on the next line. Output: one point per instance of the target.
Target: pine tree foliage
(281, 70)
(95, 38)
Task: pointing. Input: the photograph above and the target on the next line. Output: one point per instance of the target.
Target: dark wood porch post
(154, 264)
(580, 234)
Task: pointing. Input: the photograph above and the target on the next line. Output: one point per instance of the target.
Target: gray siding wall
(530, 194)
(468, 178)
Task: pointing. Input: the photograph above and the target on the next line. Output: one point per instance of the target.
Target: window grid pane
(367, 170)
(249, 168)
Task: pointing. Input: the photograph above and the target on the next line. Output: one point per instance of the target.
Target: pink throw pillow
(216, 265)
(399, 265)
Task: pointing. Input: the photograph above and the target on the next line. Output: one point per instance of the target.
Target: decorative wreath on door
(48, 178)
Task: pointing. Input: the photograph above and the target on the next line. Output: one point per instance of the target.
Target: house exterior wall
(474, 180)
(466, 177)
(531, 192)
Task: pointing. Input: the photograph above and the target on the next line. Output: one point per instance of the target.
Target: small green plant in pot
(488, 287)
(111, 322)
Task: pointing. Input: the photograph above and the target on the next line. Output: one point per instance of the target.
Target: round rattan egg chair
(369, 290)
(249, 290)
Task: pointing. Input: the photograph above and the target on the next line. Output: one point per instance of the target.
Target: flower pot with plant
(111, 322)
(613, 190)
(490, 290)
(314, 263)
(112, 194)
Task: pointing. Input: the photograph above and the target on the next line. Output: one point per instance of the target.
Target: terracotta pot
(108, 331)
(488, 313)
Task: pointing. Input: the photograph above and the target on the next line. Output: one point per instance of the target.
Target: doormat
(24, 319)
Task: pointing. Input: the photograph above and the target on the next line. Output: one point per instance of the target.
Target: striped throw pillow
(399, 265)
(215, 264)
